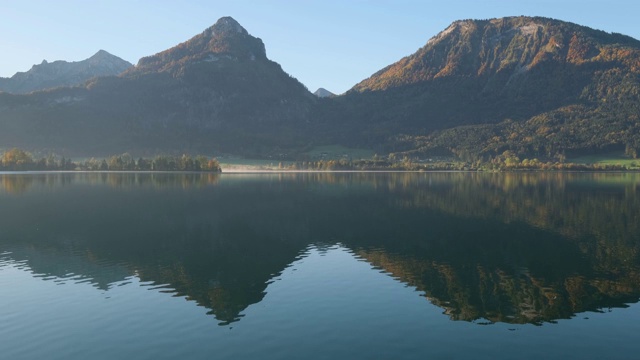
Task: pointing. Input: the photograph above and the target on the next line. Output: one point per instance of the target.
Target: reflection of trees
(15, 184)
(579, 206)
(505, 247)
(19, 183)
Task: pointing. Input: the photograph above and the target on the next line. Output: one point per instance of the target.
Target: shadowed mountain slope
(214, 92)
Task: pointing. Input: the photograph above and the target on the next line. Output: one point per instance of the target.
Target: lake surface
(319, 266)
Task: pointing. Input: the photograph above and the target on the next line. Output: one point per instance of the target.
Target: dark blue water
(319, 266)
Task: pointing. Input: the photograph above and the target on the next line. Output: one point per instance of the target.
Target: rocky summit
(225, 40)
(59, 73)
(322, 92)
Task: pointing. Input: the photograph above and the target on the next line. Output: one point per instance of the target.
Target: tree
(115, 163)
(213, 165)
(143, 164)
(16, 159)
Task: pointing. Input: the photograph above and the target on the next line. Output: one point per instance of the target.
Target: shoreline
(283, 171)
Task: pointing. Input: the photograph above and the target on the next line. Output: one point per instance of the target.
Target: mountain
(532, 85)
(217, 92)
(322, 92)
(516, 87)
(225, 41)
(62, 73)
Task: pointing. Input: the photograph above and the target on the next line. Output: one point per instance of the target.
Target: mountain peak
(58, 73)
(104, 57)
(100, 53)
(226, 26)
(506, 47)
(226, 40)
(322, 92)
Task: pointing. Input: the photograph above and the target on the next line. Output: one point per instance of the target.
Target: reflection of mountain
(492, 275)
(505, 247)
(515, 247)
(197, 239)
(65, 263)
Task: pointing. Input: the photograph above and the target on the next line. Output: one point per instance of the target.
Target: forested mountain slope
(536, 86)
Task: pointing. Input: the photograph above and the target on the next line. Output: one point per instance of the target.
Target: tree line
(21, 160)
(507, 161)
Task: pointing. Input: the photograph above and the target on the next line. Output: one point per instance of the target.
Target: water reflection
(516, 248)
(19, 183)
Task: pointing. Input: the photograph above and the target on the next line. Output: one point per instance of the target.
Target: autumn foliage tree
(16, 159)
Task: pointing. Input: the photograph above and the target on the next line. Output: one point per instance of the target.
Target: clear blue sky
(324, 43)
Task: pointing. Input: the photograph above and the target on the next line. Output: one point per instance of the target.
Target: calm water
(319, 266)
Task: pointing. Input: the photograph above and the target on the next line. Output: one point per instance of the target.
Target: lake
(319, 265)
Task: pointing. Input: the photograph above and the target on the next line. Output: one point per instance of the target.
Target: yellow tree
(16, 158)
